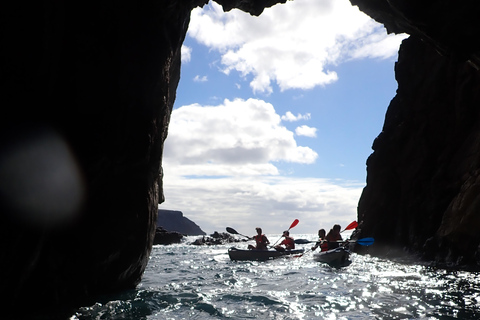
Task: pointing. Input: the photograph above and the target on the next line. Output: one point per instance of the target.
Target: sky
(275, 116)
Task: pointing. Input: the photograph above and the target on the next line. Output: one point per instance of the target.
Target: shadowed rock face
(449, 26)
(422, 190)
(89, 89)
(422, 181)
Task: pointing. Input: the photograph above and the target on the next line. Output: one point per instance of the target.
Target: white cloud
(222, 162)
(230, 150)
(306, 131)
(186, 53)
(200, 79)
(296, 45)
(239, 137)
(269, 202)
(288, 116)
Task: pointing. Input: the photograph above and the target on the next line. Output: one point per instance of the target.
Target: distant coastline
(173, 220)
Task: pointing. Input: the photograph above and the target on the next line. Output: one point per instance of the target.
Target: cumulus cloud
(272, 202)
(239, 137)
(288, 116)
(306, 131)
(295, 45)
(225, 164)
(197, 78)
(186, 53)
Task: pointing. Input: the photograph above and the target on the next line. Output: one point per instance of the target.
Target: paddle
(351, 226)
(233, 231)
(299, 255)
(294, 223)
(301, 241)
(362, 242)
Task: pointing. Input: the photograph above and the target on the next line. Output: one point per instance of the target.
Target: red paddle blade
(294, 223)
(351, 226)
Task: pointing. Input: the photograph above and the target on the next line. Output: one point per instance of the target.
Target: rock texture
(173, 220)
(165, 237)
(216, 238)
(422, 192)
(449, 26)
(422, 176)
(89, 88)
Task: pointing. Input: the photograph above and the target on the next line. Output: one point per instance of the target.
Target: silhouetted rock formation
(175, 221)
(216, 238)
(423, 179)
(163, 236)
(87, 93)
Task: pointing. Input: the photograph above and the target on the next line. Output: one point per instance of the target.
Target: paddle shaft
(300, 255)
(362, 242)
(294, 223)
(233, 231)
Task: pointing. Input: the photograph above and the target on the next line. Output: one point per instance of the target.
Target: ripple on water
(185, 282)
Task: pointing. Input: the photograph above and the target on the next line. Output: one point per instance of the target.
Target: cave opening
(275, 115)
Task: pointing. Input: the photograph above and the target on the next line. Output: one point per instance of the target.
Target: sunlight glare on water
(200, 282)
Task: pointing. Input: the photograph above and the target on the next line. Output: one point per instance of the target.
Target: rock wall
(89, 88)
(422, 176)
(422, 192)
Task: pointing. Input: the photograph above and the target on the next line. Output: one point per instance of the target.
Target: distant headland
(173, 220)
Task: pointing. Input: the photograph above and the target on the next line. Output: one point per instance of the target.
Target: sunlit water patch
(200, 282)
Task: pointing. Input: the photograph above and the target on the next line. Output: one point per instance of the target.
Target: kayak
(336, 258)
(259, 255)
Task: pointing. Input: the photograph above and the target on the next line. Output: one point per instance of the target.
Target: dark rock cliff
(422, 177)
(173, 220)
(422, 192)
(89, 88)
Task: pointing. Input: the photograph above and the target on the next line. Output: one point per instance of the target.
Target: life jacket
(289, 243)
(324, 246)
(261, 241)
(332, 240)
(332, 237)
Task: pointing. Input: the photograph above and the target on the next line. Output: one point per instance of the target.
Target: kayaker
(288, 242)
(333, 236)
(260, 239)
(322, 242)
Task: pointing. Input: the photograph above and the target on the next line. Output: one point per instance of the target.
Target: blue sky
(275, 115)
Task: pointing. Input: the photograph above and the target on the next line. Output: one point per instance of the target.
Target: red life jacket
(261, 241)
(324, 246)
(289, 243)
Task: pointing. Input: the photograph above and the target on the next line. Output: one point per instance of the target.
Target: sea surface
(183, 281)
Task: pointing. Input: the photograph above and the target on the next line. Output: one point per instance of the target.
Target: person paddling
(260, 239)
(333, 236)
(288, 242)
(322, 242)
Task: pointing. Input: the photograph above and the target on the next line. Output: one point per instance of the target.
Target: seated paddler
(288, 242)
(261, 241)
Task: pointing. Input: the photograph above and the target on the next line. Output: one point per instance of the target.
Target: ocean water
(183, 281)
